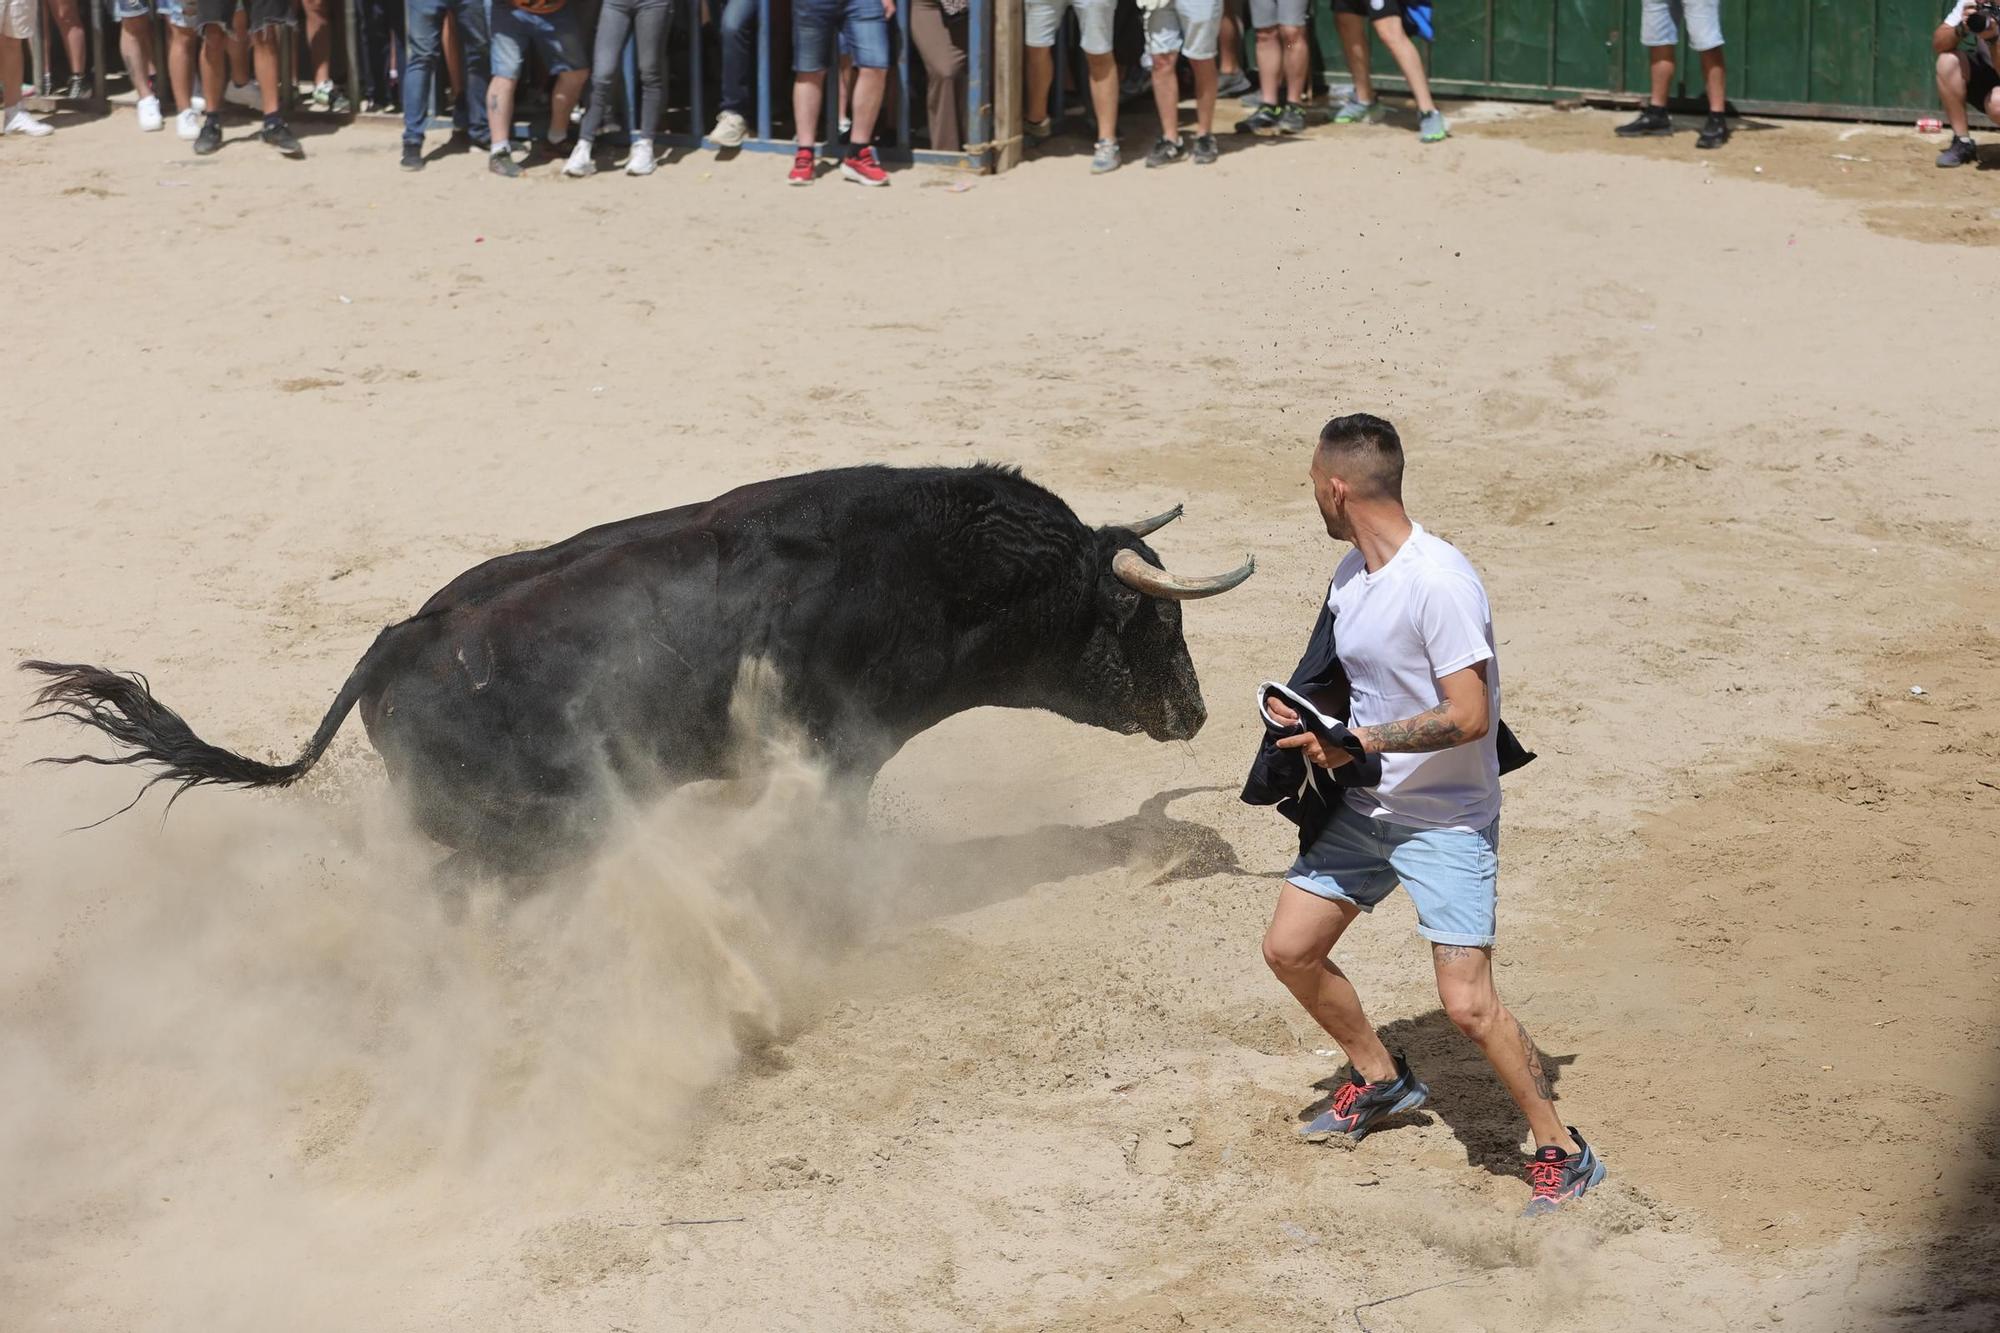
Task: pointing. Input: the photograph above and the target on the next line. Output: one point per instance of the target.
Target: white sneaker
(247, 95)
(188, 124)
(20, 122)
(643, 161)
(579, 163)
(730, 130)
(150, 118)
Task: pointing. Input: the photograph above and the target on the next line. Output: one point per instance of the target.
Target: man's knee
(1471, 1011)
(1291, 36)
(1951, 73)
(1291, 958)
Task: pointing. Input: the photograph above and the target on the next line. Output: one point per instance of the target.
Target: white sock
(499, 147)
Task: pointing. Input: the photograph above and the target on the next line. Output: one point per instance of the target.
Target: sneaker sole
(1643, 134)
(849, 173)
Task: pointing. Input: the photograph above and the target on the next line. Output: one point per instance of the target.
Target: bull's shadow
(945, 878)
(1465, 1092)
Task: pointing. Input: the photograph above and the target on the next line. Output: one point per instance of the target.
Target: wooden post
(1007, 30)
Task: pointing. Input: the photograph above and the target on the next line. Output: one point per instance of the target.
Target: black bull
(538, 688)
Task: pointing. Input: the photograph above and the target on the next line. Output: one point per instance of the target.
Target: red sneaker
(862, 168)
(802, 167)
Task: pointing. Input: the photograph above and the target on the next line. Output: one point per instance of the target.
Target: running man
(1414, 637)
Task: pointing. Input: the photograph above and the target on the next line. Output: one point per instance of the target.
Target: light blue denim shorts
(1452, 875)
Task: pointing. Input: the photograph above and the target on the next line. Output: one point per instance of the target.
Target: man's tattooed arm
(1433, 729)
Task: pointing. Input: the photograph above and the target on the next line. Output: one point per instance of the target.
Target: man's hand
(1305, 741)
(888, 9)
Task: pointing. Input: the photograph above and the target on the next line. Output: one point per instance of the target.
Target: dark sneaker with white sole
(1714, 131)
(1264, 121)
(1166, 152)
(1560, 1177)
(1960, 152)
(1651, 120)
(1359, 1106)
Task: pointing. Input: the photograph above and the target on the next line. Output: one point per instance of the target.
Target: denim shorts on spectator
(179, 13)
(1451, 874)
(1661, 21)
(857, 26)
(556, 38)
(1192, 28)
(1042, 20)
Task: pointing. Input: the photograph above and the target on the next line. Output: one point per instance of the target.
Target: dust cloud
(260, 1071)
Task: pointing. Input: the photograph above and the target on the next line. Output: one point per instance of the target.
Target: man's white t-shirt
(1421, 616)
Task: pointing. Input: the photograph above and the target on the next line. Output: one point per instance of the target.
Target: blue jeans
(423, 53)
(739, 56)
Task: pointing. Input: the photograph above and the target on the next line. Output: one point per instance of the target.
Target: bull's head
(1135, 673)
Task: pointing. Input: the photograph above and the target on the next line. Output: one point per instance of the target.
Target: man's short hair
(1365, 452)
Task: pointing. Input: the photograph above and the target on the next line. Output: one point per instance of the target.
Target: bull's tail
(122, 706)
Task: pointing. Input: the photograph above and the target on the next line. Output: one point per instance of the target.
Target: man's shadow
(1465, 1092)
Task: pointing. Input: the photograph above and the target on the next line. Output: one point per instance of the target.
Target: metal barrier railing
(900, 146)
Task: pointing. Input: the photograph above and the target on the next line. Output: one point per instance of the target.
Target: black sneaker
(413, 156)
(78, 89)
(461, 141)
(1205, 150)
(1359, 1106)
(1292, 120)
(1651, 120)
(1559, 1177)
(1714, 131)
(1165, 152)
(1264, 121)
(1960, 152)
(280, 137)
(210, 138)
(502, 163)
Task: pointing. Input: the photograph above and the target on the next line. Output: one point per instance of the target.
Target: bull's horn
(1133, 571)
(1146, 527)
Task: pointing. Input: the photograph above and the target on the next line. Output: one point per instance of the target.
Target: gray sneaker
(1104, 158)
(1352, 112)
(1205, 150)
(1232, 85)
(1559, 1177)
(1359, 1106)
(1166, 152)
(1039, 130)
(1432, 129)
(1292, 120)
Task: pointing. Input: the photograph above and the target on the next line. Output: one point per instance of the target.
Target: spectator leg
(1229, 50)
(1205, 79)
(1951, 83)
(614, 26)
(808, 93)
(943, 53)
(474, 46)
(264, 55)
(650, 25)
(866, 104)
(1715, 74)
(562, 98)
(1354, 46)
(135, 46)
(1039, 64)
(1298, 68)
(183, 50)
(1167, 94)
(423, 21)
(1661, 60)
(1104, 92)
(1270, 67)
(319, 39)
(76, 38)
(739, 55)
(499, 111)
(1408, 59)
(12, 71)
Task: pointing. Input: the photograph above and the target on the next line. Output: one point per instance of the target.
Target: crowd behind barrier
(569, 83)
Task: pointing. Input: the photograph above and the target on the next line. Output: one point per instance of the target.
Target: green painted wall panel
(1839, 56)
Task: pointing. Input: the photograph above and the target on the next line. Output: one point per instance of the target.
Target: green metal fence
(1860, 59)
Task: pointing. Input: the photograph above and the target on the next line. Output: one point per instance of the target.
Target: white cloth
(1421, 616)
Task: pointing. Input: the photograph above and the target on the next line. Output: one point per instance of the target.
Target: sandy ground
(1702, 428)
